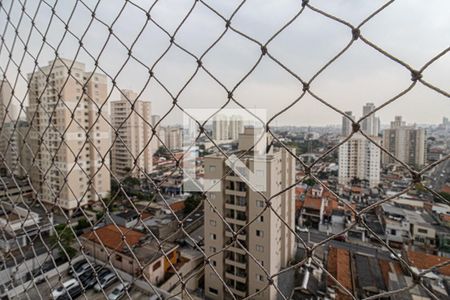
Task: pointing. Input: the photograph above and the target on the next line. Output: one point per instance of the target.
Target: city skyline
(218, 150)
(372, 77)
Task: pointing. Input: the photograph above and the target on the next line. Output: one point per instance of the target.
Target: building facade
(132, 149)
(8, 117)
(371, 124)
(359, 159)
(347, 124)
(68, 137)
(267, 238)
(407, 143)
(174, 137)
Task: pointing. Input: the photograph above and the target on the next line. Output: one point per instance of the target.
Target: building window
(422, 230)
(213, 236)
(213, 291)
(259, 233)
(259, 203)
(261, 219)
(156, 266)
(212, 168)
(118, 258)
(213, 223)
(214, 263)
(259, 248)
(212, 249)
(259, 277)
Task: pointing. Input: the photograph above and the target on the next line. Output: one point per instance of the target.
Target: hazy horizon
(413, 31)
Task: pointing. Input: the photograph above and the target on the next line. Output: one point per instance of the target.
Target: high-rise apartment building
(160, 137)
(267, 238)
(174, 137)
(347, 124)
(407, 143)
(220, 127)
(68, 137)
(370, 125)
(235, 127)
(8, 117)
(132, 149)
(359, 159)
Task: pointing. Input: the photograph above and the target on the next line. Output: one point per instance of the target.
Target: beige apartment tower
(68, 137)
(267, 238)
(132, 149)
(359, 158)
(407, 143)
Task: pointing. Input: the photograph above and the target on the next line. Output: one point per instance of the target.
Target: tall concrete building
(235, 127)
(160, 137)
(132, 150)
(359, 158)
(69, 139)
(347, 124)
(267, 238)
(370, 125)
(407, 143)
(174, 137)
(220, 127)
(8, 117)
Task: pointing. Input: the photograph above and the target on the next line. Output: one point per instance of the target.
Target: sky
(413, 31)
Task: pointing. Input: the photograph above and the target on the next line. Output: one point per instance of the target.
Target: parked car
(77, 265)
(105, 281)
(72, 293)
(89, 278)
(84, 267)
(118, 291)
(66, 286)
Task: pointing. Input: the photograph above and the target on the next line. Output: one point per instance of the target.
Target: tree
(192, 202)
(131, 181)
(309, 181)
(162, 152)
(82, 224)
(66, 237)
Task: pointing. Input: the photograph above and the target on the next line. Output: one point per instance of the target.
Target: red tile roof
(426, 261)
(177, 206)
(112, 237)
(314, 203)
(339, 267)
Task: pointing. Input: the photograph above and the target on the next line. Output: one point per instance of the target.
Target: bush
(192, 202)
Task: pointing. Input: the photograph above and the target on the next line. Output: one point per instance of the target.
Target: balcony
(235, 192)
(236, 274)
(238, 264)
(241, 236)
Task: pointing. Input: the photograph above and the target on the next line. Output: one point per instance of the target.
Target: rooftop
(314, 203)
(424, 261)
(114, 237)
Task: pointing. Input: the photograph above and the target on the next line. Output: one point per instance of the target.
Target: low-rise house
(405, 226)
(131, 251)
(129, 218)
(312, 212)
(396, 225)
(20, 225)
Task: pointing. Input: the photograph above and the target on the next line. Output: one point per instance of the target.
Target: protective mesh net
(60, 157)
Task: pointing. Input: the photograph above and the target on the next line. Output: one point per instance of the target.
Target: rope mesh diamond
(34, 32)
